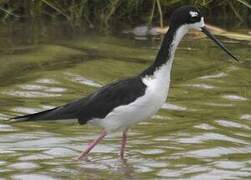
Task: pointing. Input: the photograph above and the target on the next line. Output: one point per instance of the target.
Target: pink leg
(123, 144)
(92, 145)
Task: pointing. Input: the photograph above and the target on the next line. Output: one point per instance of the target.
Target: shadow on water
(203, 131)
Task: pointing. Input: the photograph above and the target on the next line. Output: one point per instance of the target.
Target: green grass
(104, 14)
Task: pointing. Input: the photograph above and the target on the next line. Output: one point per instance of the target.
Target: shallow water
(203, 131)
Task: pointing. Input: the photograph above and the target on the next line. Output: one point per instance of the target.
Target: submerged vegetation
(103, 14)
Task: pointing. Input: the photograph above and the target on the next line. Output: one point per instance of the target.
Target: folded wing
(96, 105)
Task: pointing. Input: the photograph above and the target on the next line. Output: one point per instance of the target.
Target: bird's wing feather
(107, 98)
(96, 105)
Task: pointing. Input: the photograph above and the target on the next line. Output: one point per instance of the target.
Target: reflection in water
(229, 123)
(35, 90)
(26, 110)
(213, 76)
(83, 80)
(46, 81)
(23, 165)
(209, 137)
(32, 176)
(202, 132)
(235, 97)
(173, 107)
(204, 126)
(220, 105)
(246, 116)
(203, 86)
(29, 94)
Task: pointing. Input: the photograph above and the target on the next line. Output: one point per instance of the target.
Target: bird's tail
(57, 113)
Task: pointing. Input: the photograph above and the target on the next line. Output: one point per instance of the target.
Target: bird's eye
(193, 14)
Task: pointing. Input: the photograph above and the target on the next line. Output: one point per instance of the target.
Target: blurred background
(109, 13)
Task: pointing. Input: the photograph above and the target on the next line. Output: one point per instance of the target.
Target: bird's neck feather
(167, 50)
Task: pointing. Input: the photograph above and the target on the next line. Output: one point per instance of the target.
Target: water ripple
(246, 117)
(23, 165)
(32, 176)
(29, 94)
(213, 76)
(228, 123)
(235, 98)
(173, 107)
(83, 80)
(209, 137)
(202, 86)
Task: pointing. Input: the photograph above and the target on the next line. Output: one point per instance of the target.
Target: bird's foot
(79, 158)
(122, 159)
(84, 157)
(122, 156)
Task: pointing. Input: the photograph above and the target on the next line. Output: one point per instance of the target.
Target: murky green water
(203, 131)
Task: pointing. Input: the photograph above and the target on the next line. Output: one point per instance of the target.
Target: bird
(118, 106)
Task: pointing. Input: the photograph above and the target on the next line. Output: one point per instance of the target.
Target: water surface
(203, 130)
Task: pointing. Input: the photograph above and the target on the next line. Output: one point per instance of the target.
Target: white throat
(158, 83)
(182, 30)
(163, 73)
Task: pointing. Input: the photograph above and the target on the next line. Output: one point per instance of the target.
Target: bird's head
(189, 17)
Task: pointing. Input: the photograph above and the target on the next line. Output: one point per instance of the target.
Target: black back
(103, 101)
(96, 105)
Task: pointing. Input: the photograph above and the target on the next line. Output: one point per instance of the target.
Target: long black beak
(211, 36)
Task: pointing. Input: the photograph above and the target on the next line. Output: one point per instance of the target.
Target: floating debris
(144, 30)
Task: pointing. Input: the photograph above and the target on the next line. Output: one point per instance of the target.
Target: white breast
(143, 107)
(148, 104)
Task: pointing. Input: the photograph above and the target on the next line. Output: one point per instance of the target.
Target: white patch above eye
(193, 13)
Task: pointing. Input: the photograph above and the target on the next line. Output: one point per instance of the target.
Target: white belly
(124, 116)
(142, 108)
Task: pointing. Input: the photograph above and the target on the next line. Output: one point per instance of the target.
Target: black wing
(107, 98)
(96, 105)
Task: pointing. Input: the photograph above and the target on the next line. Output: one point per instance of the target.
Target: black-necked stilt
(119, 105)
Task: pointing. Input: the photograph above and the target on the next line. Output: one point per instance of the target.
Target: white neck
(163, 73)
(181, 31)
